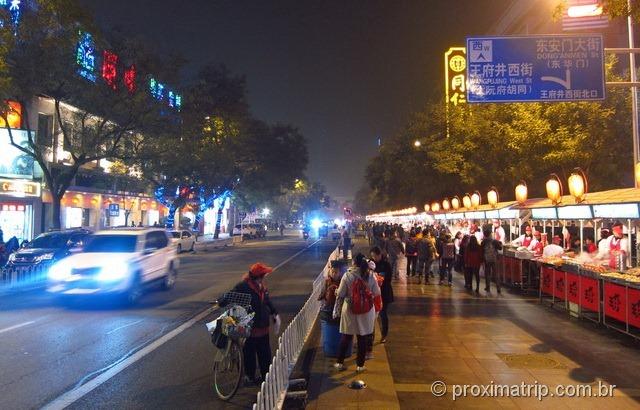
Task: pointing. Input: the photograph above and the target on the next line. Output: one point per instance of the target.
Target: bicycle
(228, 333)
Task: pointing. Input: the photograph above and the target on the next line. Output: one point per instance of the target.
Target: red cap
(259, 270)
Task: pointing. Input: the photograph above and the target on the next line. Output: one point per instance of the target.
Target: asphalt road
(49, 351)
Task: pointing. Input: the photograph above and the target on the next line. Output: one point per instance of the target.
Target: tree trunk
(172, 216)
(216, 234)
(55, 211)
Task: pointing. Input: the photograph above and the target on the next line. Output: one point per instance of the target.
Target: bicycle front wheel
(228, 372)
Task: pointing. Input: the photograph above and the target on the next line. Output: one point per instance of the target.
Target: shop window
(86, 217)
(44, 136)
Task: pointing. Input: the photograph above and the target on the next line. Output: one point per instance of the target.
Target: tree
(94, 121)
(500, 144)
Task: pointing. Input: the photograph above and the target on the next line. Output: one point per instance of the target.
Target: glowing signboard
(544, 213)
(19, 188)
(455, 64)
(14, 115)
(575, 212)
(110, 68)
(535, 68)
(616, 211)
(13, 162)
(85, 56)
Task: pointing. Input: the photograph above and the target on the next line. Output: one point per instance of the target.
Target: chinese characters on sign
(85, 56)
(536, 68)
(160, 92)
(109, 68)
(455, 64)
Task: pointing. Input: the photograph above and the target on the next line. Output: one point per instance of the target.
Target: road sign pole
(634, 94)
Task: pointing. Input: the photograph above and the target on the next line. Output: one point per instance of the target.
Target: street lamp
(585, 10)
(466, 201)
(521, 192)
(266, 211)
(475, 200)
(578, 185)
(554, 189)
(493, 197)
(417, 143)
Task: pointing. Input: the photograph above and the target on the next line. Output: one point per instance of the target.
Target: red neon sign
(109, 68)
(130, 78)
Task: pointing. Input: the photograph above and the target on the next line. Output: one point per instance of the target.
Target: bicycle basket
(237, 322)
(237, 299)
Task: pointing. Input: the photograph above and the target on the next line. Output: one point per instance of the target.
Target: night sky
(344, 71)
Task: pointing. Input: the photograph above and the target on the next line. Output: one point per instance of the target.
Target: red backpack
(361, 297)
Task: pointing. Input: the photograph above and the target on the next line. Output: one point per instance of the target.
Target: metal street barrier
(18, 276)
(274, 388)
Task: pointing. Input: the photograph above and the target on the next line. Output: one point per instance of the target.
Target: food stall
(584, 284)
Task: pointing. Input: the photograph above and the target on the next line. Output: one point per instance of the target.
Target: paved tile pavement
(460, 338)
(439, 333)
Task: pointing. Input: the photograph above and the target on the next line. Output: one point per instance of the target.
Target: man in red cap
(617, 246)
(258, 343)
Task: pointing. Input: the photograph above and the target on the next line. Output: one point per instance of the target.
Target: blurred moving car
(121, 262)
(184, 240)
(49, 247)
(248, 231)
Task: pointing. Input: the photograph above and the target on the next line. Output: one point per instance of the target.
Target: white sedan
(183, 240)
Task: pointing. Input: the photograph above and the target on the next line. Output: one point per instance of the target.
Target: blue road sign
(114, 209)
(535, 68)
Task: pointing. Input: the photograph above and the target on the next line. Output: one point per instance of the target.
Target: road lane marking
(10, 328)
(123, 326)
(294, 256)
(75, 394)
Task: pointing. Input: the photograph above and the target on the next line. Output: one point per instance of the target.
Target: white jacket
(350, 323)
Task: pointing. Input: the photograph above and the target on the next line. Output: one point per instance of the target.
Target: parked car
(49, 248)
(248, 231)
(120, 262)
(261, 230)
(183, 240)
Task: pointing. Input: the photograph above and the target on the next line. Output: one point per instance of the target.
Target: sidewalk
(445, 334)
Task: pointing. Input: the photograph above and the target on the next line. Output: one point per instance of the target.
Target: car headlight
(44, 257)
(114, 272)
(60, 271)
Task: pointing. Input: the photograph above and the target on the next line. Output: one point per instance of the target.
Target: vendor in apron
(498, 232)
(527, 240)
(617, 246)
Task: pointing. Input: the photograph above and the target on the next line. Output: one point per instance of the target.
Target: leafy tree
(500, 144)
(94, 121)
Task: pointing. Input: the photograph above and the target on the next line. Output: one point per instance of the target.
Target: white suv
(117, 262)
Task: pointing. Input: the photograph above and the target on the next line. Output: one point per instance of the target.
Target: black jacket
(384, 268)
(263, 308)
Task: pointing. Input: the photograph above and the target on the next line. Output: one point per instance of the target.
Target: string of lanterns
(577, 184)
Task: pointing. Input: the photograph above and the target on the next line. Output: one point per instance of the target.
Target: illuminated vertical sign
(110, 68)
(14, 7)
(455, 64)
(130, 78)
(85, 56)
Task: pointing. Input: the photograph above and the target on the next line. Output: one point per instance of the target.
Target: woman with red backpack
(355, 306)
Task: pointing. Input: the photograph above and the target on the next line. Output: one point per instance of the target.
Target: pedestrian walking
(432, 263)
(412, 254)
(345, 244)
(424, 255)
(355, 307)
(448, 253)
(473, 261)
(395, 248)
(265, 314)
(383, 268)
(490, 248)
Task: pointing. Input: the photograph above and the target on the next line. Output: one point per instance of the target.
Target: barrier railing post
(273, 390)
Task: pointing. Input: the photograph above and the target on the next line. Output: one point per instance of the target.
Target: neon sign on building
(455, 63)
(85, 56)
(110, 68)
(14, 8)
